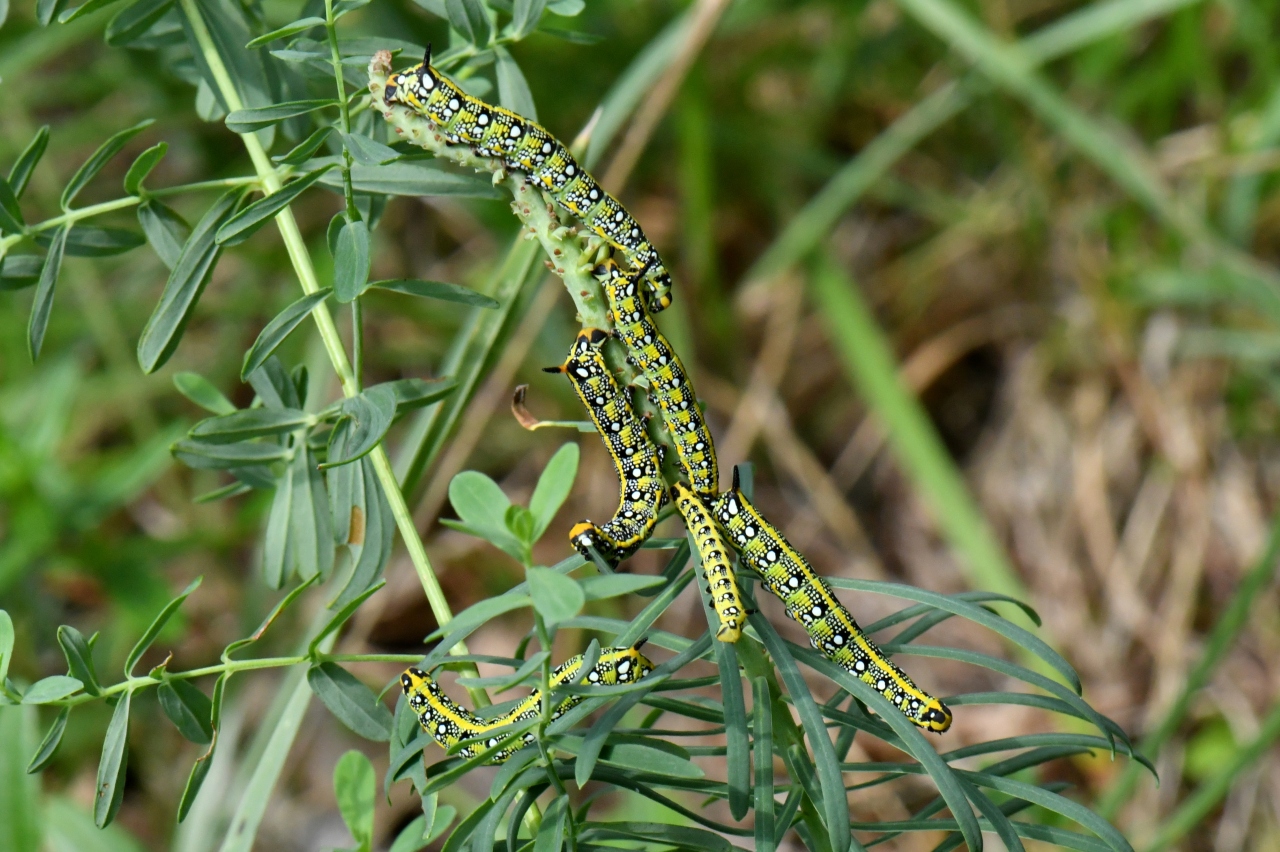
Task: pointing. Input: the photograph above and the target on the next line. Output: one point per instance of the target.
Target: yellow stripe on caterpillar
(809, 600)
(448, 723)
(714, 553)
(669, 383)
(525, 146)
(637, 461)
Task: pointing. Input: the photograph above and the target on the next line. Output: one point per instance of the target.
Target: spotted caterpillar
(809, 601)
(638, 462)
(449, 724)
(648, 350)
(715, 562)
(525, 146)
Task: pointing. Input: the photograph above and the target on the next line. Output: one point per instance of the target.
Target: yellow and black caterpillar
(648, 350)
(527, 147)
(637, 460)
(715, 562)
(449, 724)
(810, 601)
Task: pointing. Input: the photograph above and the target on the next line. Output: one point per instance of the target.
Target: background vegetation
(1053, 222)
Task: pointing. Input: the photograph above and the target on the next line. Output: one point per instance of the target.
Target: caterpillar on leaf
(636, 459)
(525, 146)
(714, 553)
(809, 600)
(670, 389)
(448, 723)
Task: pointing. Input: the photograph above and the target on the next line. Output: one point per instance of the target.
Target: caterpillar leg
(809, 600)
(714, 554)
(637, 461)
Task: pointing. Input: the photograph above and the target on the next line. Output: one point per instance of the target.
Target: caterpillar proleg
(527, 147)
(670, 387)
(637, 461)
(448, 723)
(809, 600)
(714, 554)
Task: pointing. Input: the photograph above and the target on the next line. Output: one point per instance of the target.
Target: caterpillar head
(933, 715)
(585, 535)
(412, 87)
(415, 682)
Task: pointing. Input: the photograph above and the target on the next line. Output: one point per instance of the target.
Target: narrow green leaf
(369, 152)
(468, 17)
(415, 393)
(414, 178)
(10, 213)
(351, 261)
(412, 838)
(248, 221)
(513, 89)
(275, 539)
(437, 290)
(643, 757)
(79, 656)
(49, 745)
(21, 819)
(189, 709)
(109, 789)
(555, 596)
(257, 634)
(42, 305)
(106, 151)
(249, 423)
(374, 549)
(166, 231)
(299, 26)
(51, 689)
(132, 22)
(19, 271)
(354, 788)
(553, 488)
(370, 414)
(353, 703)
(143, 165)
(6, 644)
(47, 10)
(310, 532)
(69, 15)
(195, 780)
(27, 161)
(280, 327)
(157, 624)
(182, 291)
(616, 585)
(737, 739)
(305, 149)
(201, 391)
(92, 241)
(202, 456)
(525, 15)
(835, 806)
(550, 836)
(249, 120)
(765, 805)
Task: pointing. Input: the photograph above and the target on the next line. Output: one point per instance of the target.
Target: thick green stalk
(301, 260)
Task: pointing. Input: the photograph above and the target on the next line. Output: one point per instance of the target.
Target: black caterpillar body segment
(642, 491)
(671, 390)
(525, 146)
(714, 554)
(448, 724)
(809, 600)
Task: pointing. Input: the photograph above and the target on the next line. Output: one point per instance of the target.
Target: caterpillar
(527, 147)
(638, 462)
(448, 723)
(715, 562)
(648, 350)
(809, 600)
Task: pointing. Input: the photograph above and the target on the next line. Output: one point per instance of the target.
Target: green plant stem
(80, 213)
(301, 260)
